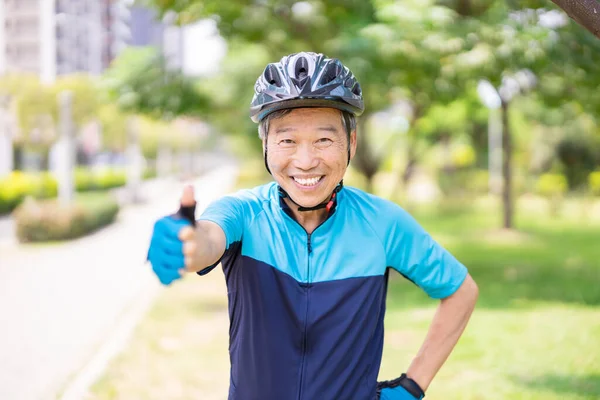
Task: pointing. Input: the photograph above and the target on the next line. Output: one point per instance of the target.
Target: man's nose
(306, 157)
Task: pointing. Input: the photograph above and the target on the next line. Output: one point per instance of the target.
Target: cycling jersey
(307, 310)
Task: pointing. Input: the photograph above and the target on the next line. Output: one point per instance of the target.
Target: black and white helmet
(306, 80)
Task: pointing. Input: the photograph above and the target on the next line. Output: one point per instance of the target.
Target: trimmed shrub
(17, 185)
(48, 220)
(84, 180)
(109, 178)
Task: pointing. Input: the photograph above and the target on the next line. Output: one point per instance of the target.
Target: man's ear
(353, 144)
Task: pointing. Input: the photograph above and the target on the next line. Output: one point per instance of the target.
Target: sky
(203, 48)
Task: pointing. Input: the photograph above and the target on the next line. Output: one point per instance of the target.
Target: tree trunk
(364, 159)
(410, 166)
(585, 12)
(506, 169)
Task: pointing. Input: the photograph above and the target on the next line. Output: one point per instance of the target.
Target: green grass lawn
(534, 335)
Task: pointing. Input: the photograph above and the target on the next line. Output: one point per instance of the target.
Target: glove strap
(404, 381)
(188, 213)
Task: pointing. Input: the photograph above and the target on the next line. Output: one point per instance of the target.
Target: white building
(56, 37)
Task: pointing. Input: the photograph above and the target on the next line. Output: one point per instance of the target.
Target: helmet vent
(272, 75)
(333, 71)
(301, 68)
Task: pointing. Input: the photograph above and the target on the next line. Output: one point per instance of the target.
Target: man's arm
(203, 245)
(447, 326)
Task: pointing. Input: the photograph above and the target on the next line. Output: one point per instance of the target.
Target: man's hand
(401, 388)
(187, 235)
(173, 236)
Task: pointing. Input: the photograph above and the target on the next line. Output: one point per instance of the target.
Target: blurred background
(482, 120)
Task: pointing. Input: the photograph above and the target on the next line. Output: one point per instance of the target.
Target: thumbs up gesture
(172, 238)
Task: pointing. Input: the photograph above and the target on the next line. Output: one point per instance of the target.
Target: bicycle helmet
(306, 80)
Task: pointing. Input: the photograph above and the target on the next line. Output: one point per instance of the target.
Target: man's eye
(286, 141)
(324, 142)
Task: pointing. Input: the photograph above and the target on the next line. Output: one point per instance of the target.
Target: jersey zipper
(304, 341)
(309, 247)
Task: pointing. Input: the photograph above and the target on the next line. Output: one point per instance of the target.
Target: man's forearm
(208, 245)
(447, 326)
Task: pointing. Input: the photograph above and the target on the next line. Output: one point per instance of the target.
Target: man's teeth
(308, 182)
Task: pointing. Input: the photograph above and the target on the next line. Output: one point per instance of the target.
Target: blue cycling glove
(166, 250)
(397, 393)
(402, 388)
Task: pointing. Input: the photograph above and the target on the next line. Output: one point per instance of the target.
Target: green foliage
(429, 54)
(154, 133)
(463, 156)
(251, 174)
(140, 82)
(37, 104)
(462, 182)
(48, 220)
(109, 178)
(550, 185)
(102, 179)
(577, 158)
(594, 182)
(114, 127)
(17, 185)
(86, 96)
(553, 187)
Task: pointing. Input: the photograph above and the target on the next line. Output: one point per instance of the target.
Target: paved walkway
(58, 302)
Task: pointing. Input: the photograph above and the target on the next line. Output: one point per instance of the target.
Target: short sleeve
(412, 252)
(228, 213)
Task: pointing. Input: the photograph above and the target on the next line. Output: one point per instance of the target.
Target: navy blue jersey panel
(326, 336)
(345, 339)
(266, 310)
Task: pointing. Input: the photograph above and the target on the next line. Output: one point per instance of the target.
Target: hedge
(49, 220)
(42, 185)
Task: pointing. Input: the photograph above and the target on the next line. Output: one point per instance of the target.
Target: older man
(307, 260)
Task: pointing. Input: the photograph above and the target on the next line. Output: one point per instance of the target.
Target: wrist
(418, 380)
(408, 384)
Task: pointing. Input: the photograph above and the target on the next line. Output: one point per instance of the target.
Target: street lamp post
(491, 99)
(6, 137)
(66, 148)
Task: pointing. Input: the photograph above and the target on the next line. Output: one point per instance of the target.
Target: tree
(428, 53)
(113, 125)
(585, 12)
(35, 106)
(86, 92)
(140, 82)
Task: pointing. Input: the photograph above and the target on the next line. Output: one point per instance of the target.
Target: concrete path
(58, 302)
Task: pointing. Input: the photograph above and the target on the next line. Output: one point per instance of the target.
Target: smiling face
(307, 153)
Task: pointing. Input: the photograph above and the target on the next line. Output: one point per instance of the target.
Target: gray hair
(263, 126)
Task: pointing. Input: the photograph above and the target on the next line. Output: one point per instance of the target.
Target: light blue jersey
(306, 310)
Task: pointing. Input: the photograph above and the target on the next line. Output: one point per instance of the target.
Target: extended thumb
(187, 205)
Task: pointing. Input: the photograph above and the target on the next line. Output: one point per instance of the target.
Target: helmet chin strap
(328, 204)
